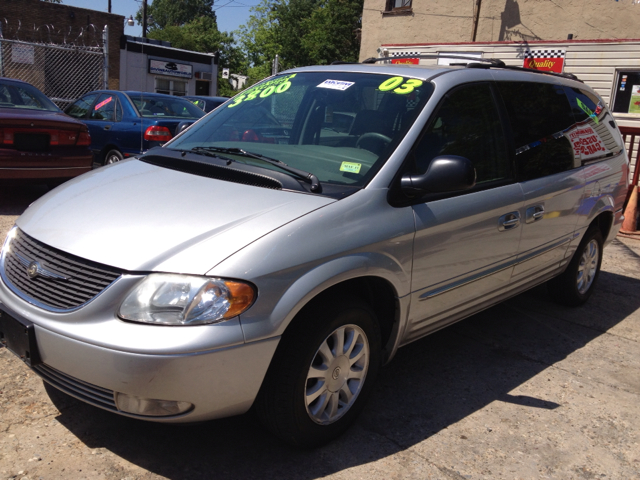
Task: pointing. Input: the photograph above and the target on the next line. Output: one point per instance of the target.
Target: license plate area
(20, 338)
(31, 142)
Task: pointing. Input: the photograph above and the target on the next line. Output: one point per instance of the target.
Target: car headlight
(170, 299)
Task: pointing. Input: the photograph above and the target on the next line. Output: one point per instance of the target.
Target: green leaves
(301, 32)
(167, 13)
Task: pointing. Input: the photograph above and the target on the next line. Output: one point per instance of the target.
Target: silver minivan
(278, 252)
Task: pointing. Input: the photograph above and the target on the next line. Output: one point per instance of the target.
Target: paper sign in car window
(335, 84)
(103, 103)
(350, 167)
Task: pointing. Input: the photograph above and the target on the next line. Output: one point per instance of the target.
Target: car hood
(141, 217)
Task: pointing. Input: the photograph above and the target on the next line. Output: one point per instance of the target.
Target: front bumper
(220, 380)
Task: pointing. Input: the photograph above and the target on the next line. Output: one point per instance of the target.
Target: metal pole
(476, 19)
(105, 47)
(144, 19)
(109, 9)
(276, 65)
(1, 57)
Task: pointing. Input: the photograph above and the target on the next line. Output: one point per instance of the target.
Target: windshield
(340, 127)
(165, 106)
(24, 96)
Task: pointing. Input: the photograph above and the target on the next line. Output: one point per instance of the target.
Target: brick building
(27, 20)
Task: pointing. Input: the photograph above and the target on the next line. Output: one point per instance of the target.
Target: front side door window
(467, 124)
(105, 108)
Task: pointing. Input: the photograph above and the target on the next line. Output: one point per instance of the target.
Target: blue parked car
(206, 103)
(123, 124)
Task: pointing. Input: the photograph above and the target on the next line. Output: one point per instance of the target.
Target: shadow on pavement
(15, 198)
(430, 385)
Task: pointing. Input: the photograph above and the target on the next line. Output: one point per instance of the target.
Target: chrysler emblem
(32, 269)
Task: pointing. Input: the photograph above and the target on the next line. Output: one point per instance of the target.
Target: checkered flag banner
(544, 53)
(397, 54)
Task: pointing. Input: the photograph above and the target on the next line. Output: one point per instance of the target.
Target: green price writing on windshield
(277, 85)
(400, 85)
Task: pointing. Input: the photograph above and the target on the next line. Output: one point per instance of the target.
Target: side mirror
(447, 173)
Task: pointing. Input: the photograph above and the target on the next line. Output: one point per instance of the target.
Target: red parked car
(37, 141)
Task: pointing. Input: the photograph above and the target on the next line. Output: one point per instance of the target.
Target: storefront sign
(545, 60)
(405, 61)
(171, 69)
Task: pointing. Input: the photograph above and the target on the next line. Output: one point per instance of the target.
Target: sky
(231, 13)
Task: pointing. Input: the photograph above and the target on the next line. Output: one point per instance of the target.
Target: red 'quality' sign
(406, 61)
(546, 60)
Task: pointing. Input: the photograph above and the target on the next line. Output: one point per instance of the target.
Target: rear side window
(80, 108)
(540, 116)
(467, 124)
(595, 135)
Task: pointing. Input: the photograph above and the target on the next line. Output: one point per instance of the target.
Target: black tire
(574, 287)
(112, 156)
(281, 405)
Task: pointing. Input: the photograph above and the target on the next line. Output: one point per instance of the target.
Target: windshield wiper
(206, 151)
(307, 176)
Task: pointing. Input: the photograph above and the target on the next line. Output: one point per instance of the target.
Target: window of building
(171, 87)
(398, 6)
(626, 92)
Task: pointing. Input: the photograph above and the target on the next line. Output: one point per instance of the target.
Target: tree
(166, 13)
(301, 32)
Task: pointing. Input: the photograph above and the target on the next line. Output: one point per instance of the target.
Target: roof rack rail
(476, 63)
(570, 76)
(496, 62)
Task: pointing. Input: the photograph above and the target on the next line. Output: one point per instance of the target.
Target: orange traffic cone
(629, 225)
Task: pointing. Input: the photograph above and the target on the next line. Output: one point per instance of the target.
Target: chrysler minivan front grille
(50, 278)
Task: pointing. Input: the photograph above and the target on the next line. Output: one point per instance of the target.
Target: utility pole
(144, 18)
(109, 9)
(476, 19)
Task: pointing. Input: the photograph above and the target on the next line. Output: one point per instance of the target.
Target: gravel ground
(524, 390)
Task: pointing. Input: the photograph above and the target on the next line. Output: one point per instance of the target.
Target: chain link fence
(63, 72)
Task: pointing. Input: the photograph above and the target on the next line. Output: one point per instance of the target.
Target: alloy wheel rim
(337, 374)
(112, 159)
(588, 267)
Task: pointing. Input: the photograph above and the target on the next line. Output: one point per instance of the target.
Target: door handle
(534, 213)
(509, 221)
(108, 127)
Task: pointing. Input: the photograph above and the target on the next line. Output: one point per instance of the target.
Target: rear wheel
(322, 373)
(576, 284)
(112, 156)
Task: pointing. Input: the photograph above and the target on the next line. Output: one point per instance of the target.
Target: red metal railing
(629, 226)
(630, 133)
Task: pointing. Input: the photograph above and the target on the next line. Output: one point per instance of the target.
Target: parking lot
(524, 390)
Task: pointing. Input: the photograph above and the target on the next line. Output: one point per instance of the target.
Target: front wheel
(321, 374)
(576, 284)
